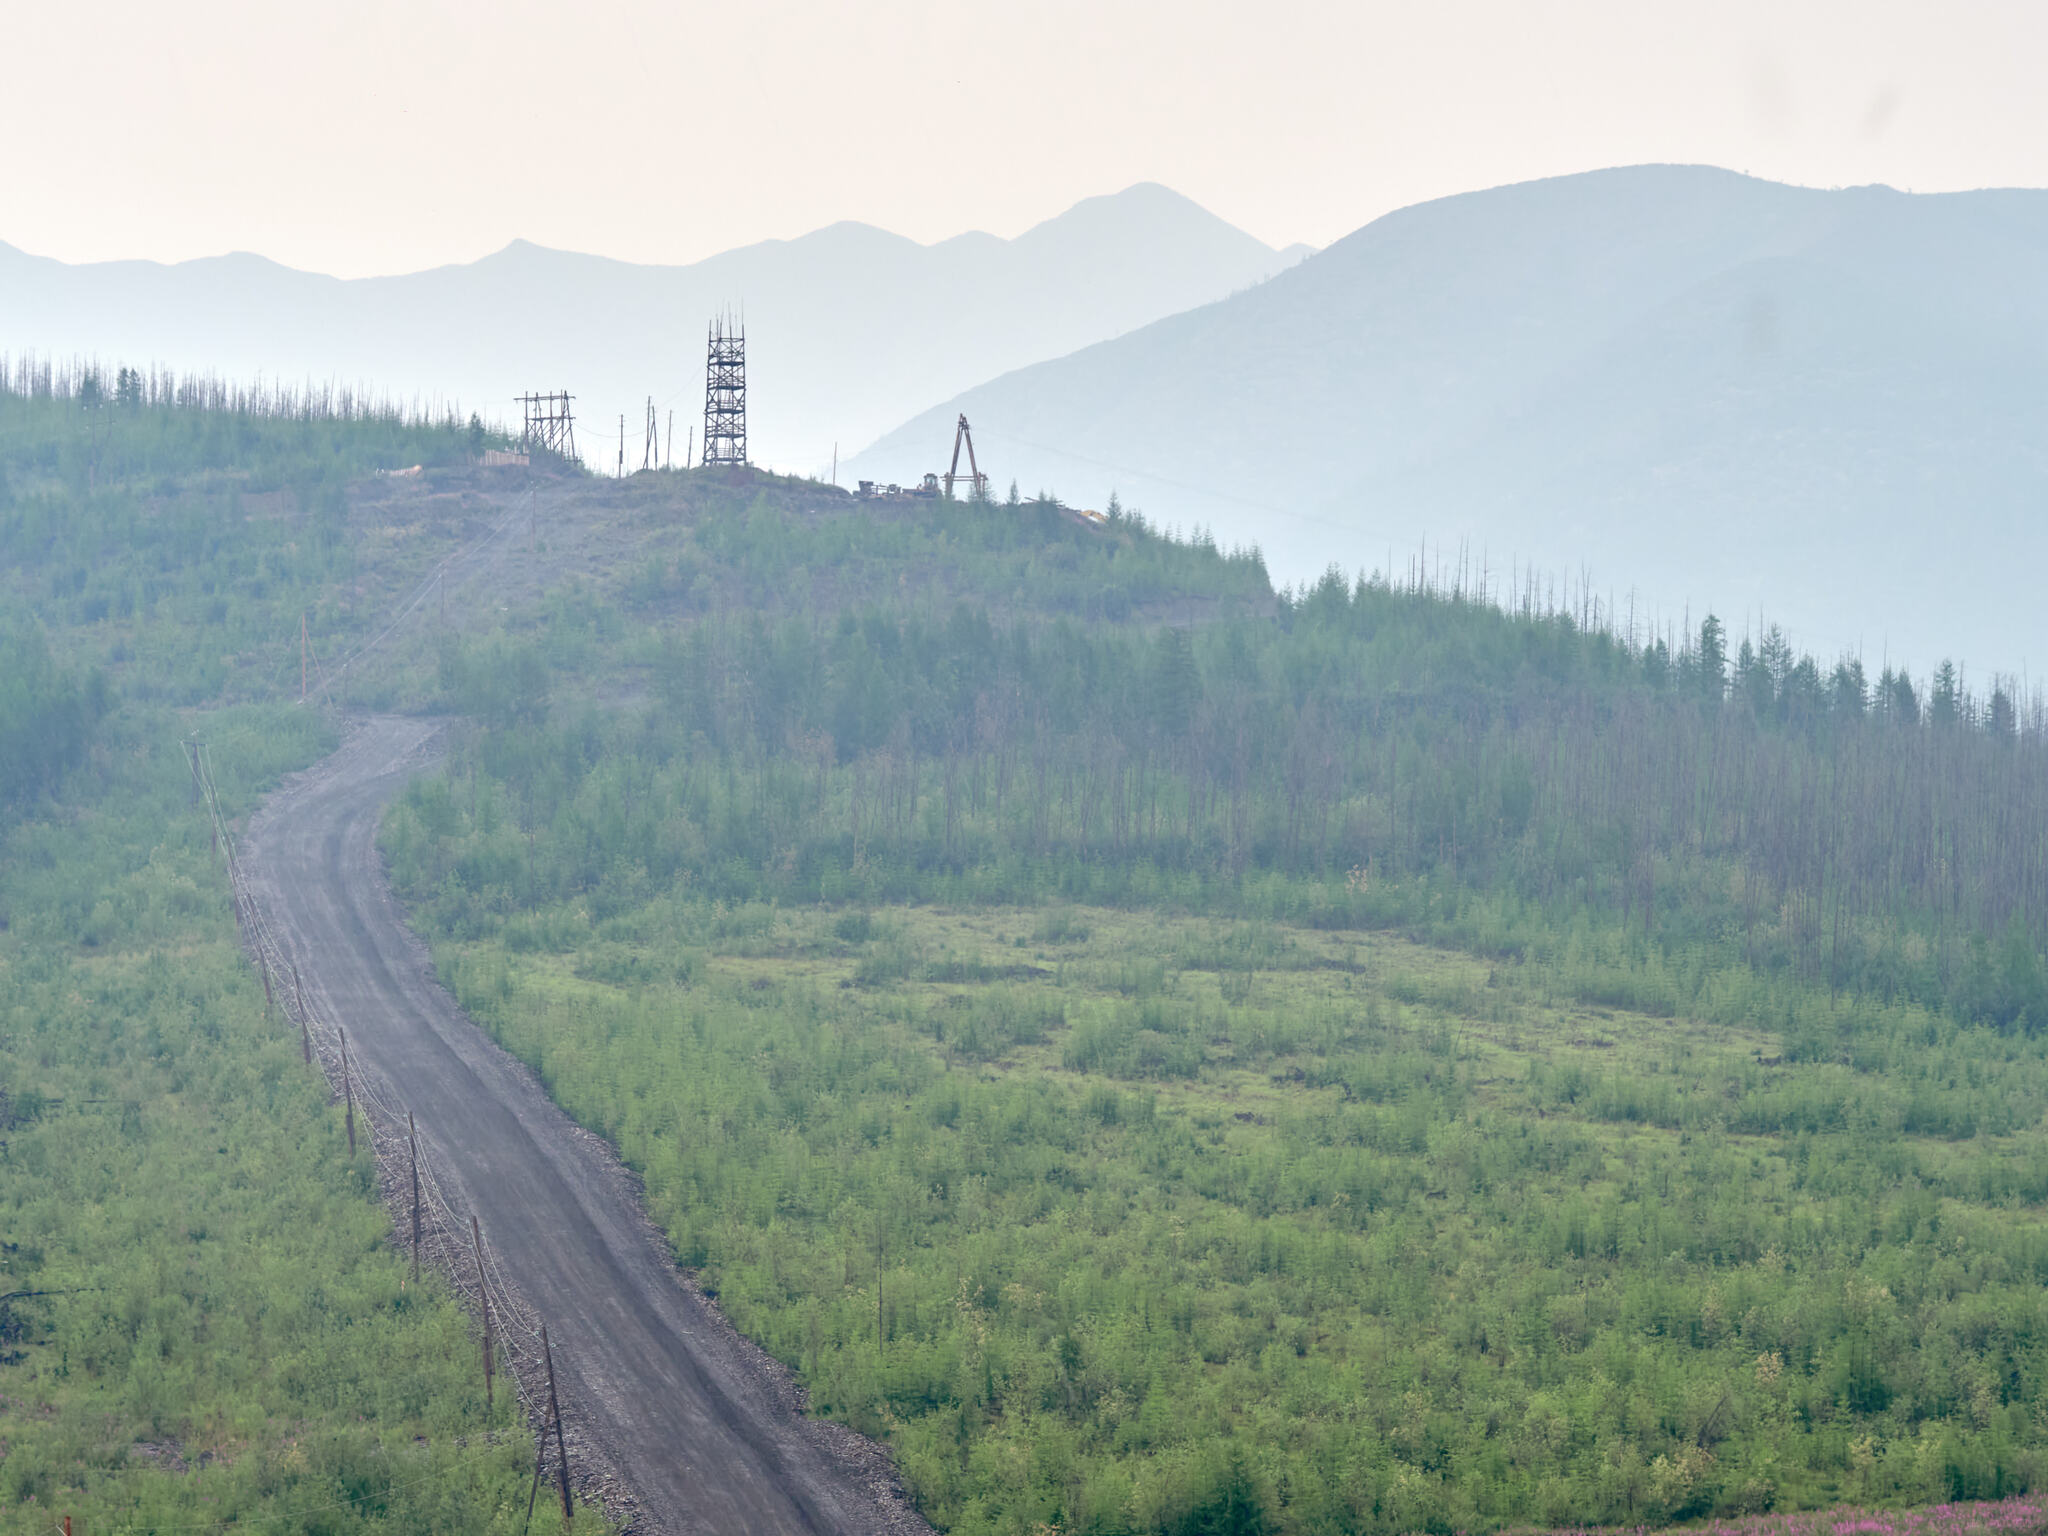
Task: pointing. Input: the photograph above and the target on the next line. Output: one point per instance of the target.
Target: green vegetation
(1381, 1062)
(1168, 1213)
(1372, 756)
(1166, 1058)
(175, 532)
(202, 1320)
(47, 718)
(205, 1319)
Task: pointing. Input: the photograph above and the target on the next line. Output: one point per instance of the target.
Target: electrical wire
(498, 1294)
(436, 574)
(380, 1115)
(1178, 485)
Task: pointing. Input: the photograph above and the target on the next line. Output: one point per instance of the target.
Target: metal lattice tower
(725, 393)
(550, 424)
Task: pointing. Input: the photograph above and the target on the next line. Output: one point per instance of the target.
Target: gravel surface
(680, 1423)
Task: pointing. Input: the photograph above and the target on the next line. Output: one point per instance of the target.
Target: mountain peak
(1145, 209)
(854, 328)
(1711, 388)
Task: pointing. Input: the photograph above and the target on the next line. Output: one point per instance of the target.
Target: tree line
(1369, 741)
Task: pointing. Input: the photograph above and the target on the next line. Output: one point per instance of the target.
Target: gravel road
(664, 1402)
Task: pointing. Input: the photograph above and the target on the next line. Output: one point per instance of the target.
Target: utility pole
(540, 1461)
(483, 1292)
(622, 445)
(555, 1410)
(348, 1095)
(412, 1138)
(550, 424)
(835, 464)
(668, 454)
(305, 1027)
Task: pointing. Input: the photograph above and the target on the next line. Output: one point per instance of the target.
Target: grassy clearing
(1119, 1222)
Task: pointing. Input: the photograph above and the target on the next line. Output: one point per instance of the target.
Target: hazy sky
(363, 138)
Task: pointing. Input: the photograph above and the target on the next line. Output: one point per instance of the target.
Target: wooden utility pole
(689, 444)
(622, 445)
(668, 454)
(412, 1138)
(348, 1094)
(540, 1460)
(555, 1409)
(305, 1029)
(483, 1292)
(835, 463)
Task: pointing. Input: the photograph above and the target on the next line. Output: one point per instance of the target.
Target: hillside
(1372, 1063)
(1816, 407)
(850, 328)
(1384, 1064)
(204, 1318)
(1161, 1056)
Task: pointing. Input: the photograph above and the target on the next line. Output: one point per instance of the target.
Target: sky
(368, 138)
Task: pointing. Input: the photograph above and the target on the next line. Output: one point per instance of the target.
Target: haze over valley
(851, 328)
(1118, 878)
(1822, 409)
(1692, 389)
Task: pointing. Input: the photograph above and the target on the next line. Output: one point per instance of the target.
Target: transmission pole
(725, 393)
(550, 424)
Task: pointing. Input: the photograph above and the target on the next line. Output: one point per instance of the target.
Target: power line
(550, 424)
(1179, 485)
(438, 573)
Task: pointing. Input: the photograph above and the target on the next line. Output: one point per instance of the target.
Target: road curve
(694, 1422)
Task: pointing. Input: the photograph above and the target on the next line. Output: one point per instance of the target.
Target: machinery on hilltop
(975, 478)
(936, 485)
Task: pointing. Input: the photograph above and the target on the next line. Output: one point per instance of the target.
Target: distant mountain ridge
(1827, 409)
(850, 328)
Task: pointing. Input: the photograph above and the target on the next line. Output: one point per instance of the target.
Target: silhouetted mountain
(850, 328)
(1826, 408)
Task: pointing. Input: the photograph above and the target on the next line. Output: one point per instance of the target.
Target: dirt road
(699, 1426)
